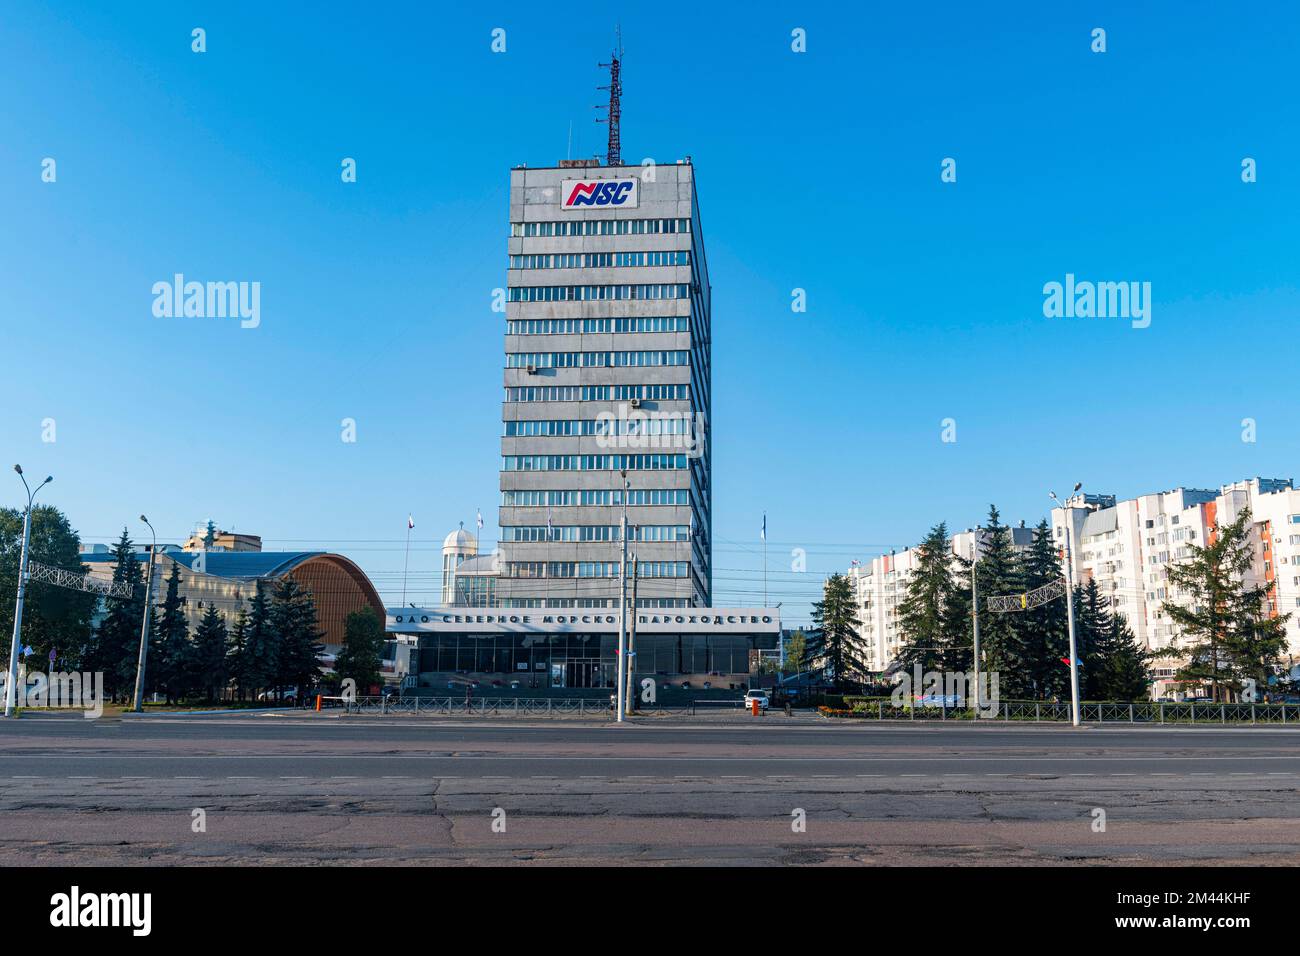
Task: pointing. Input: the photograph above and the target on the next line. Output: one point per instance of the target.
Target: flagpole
(765, 559)
(407, 563)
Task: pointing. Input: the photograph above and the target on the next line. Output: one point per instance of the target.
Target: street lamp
(11, 684)
(1069, 603)
(144, 626)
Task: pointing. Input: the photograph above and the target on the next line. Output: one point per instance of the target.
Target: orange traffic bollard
(753, 707)
(318, 703)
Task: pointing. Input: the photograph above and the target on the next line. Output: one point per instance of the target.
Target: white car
(756, 695)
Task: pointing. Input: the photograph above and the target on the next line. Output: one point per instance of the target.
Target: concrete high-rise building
(607, 388)
(1126, 546)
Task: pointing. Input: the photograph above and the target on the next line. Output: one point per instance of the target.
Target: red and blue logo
(598, 194)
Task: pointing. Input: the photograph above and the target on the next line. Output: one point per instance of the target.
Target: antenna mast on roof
(614, 153)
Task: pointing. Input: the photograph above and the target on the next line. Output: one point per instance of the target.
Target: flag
(763, 534)
(480, 520)
(410, 522)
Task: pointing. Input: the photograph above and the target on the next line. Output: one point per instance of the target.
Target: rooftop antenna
(568, 154)
(614, 153)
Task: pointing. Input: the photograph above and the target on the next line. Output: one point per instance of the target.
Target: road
(309, 788)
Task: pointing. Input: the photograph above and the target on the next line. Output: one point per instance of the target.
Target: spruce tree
(834, 643)
(210, 670)
(363, 647)
(237, 659)
(929, 591)
(999, 574)
(171, 656)
(957, 637)
(293, 618)
(260, 655)
(1127, 664)
(1043, 631)
(116, 645)
(1092, 635)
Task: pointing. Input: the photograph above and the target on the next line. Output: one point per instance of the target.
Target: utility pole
(144, 625)
(11, 684)
(975, 616)
(629, 697)
(1069, 602)
(621, 663)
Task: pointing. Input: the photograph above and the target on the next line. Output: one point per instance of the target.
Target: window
(598, 293)
(599, 227)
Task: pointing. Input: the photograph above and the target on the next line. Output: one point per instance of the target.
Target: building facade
(1126, 546)
(607, 389)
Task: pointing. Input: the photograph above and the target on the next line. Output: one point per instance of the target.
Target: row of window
(598, 293)
(594, 462)
(645, 323)
(600, 227)
(598, 393)
(600, 260)
(595, 569)
(651, 359)
(533, 498)
(595, 532)
(567, 427)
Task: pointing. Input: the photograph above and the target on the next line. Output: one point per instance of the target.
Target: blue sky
(817, 170)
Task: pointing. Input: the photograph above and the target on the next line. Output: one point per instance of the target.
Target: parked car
(756, 694)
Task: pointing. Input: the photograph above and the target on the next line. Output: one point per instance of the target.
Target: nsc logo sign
(598, 194)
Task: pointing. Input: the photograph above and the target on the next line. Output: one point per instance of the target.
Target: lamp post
(975, 616)
(11, 684)
(144, 626)
(1069, 603)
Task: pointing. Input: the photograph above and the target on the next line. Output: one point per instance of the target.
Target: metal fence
(1137, 712)
(503, 707)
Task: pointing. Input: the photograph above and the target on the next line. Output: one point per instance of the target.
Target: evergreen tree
(293, 619)
(1233, 638)
(921, 613)
(363, 646)
(237, 659)
(1092, 637)
(1127, 673)
(957, 636)
(999, 573)
(1043, 632)
(116, 643)
(210, 535)
(171, 663)
(259, 658)
(210, 670)
(834, 643)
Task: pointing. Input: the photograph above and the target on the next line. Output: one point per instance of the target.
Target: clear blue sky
(818, 171)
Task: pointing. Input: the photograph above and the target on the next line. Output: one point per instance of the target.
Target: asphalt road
(324, 788)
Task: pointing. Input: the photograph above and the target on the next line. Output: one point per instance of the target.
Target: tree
(1043, 643)
(796, 652)
(293, 618)
(1092, 637)
(363, 646)
(54, 618)
(171, 660)
(210, 535)
(237, 659)
(210, 669)
(116, 644)
(834, 643)
(922, 614)
(999, 573)
(1233, 637)
(1127, 664)
(259, 658)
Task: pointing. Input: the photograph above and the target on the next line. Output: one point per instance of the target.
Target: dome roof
(460, 540)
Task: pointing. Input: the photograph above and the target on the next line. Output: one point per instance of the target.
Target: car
(756, 694)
